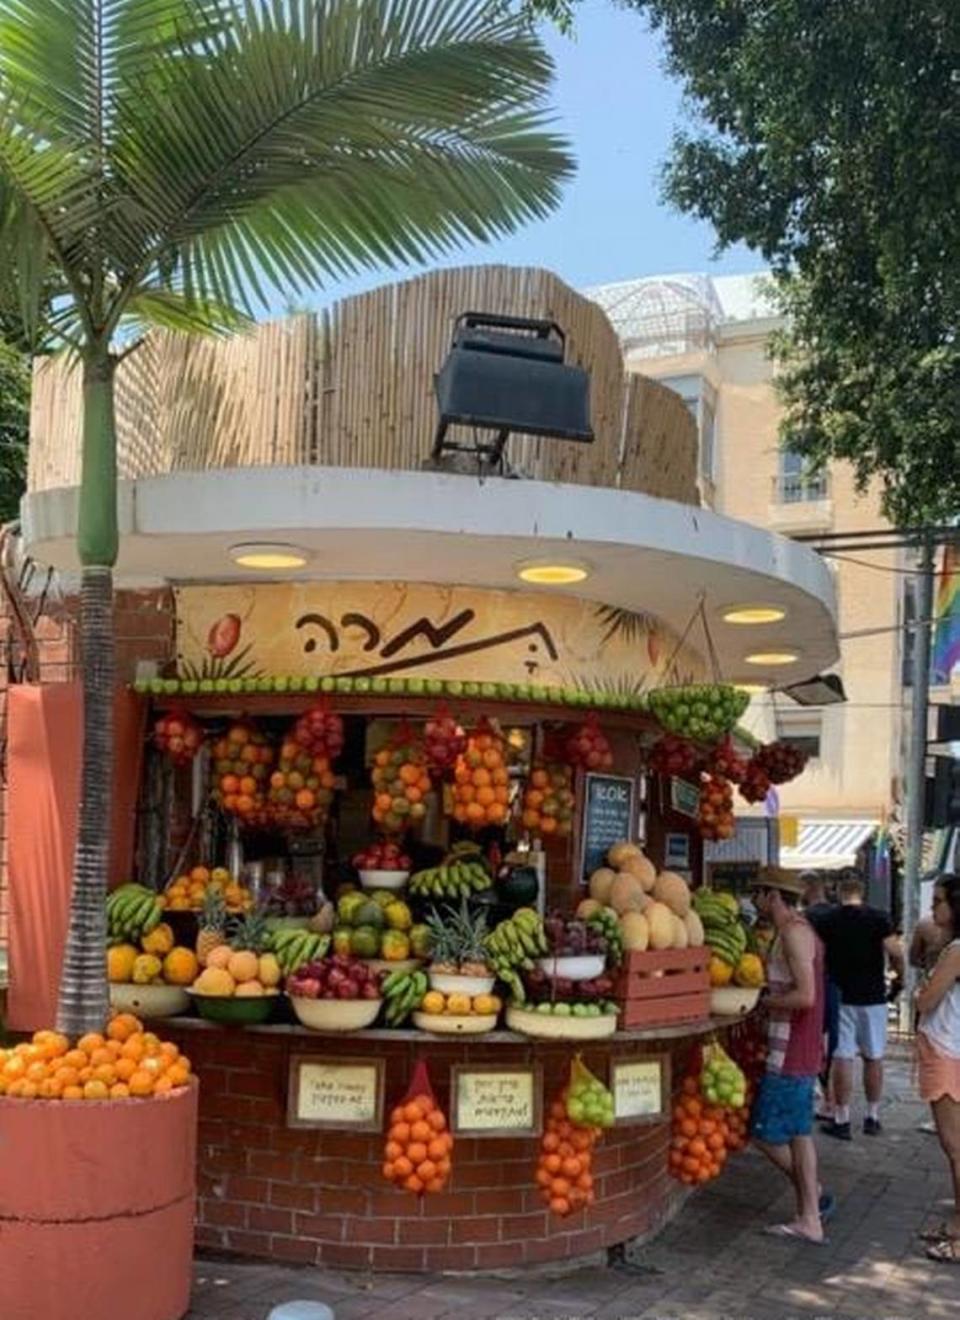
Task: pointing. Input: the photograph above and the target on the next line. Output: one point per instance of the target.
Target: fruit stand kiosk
(412, 883)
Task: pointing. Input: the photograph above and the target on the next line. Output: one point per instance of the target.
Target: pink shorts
(938, 1074)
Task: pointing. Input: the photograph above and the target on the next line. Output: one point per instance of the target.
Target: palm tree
(175, 163)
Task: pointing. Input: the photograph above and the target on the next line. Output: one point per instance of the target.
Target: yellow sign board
(496, 1101)
(789, 831)
(335, 1093)
(639, 1087)
(380, 630)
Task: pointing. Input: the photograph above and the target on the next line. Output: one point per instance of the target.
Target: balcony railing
(800, 487)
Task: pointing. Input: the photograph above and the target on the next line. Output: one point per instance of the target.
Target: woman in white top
(938, 1050)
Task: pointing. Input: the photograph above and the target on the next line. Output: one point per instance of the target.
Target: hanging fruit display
(319, 731)
(673, 755)
(241, 764)
(755, 784)
(178, 736)
(701, 1134)
(419, 1145)
(301, 788)
(443, 742)
(588, 747)
(400, 784)
(481, 792)
(565, 1167)
(548, 800)
(704, 711)
(715, 816)
(780, 761)
(723, 760)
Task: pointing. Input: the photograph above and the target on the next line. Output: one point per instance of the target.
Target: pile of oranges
(122, 1062)
(241, 762)
(418, 1149)
(481, 792)
(703, 1135)
(565, 1166)
(548, 800)
(188, 892)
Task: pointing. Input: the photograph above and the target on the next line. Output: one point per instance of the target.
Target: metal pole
(916, 769)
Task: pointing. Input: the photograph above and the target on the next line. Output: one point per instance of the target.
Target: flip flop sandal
(784, 1231)
(946, 1251)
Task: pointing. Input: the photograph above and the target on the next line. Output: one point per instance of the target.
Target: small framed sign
(609, 810)
(496, 1101)
(335, 1093)
(641, 1088)
(684, 797)
(677, 852)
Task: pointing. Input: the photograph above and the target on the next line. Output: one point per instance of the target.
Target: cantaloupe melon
(694, 925)
(673, 890)
(680, 937)
(626, 894)
(601, 882)
(619, 853)
(660, 920)
(587, 907)
(643, 869)
(636, 932)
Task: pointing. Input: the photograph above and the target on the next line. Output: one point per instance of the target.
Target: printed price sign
(608, 818)
(640, 1088)
(334, 1093)
(496, 1101)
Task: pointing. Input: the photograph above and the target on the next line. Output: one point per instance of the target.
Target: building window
(802, 729)
(797, 482)
(700, 400)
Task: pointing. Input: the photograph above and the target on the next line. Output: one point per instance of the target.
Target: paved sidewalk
(712, 1263)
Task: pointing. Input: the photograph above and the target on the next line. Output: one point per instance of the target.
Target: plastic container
(149, 1001)
(451, 983)
(336, 1014)
(452, 1024)
(231, 1011)
(384, 879)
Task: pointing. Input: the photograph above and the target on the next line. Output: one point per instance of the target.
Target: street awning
(826, 845)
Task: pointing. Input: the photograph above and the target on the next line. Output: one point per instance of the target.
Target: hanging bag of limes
(589, 1102)
(721, 1081)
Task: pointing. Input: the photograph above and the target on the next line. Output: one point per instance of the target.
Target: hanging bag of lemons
(721, 1081)
(589, 1103)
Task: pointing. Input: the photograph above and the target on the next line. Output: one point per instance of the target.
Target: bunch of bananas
(132, 912)
(403, 992)
(295, 948)
(606, 921)
(724, 932)
(513, 946)
(455, 879)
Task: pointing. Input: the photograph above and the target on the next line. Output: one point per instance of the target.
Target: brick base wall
(318, 1197)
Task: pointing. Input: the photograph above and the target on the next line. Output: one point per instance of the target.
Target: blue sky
(619, 110)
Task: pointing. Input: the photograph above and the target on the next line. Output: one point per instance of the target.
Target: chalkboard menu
(608, 817)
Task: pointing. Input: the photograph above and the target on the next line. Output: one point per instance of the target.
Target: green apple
(562, 1010)
(311, 683)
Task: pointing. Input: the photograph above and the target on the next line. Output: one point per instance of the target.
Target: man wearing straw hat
(782, 1119)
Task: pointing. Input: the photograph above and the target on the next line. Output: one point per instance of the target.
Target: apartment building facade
(707, 338)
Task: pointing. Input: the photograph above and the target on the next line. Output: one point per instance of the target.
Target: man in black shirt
(858, 941)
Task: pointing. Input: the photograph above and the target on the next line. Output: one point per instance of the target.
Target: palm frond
(631, 625)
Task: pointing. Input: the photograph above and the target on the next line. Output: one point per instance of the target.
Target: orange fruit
(96, 1090)
(426, 1170)
(421, 1131)
(125, 1068)
(73, 1093)
(437, 1120)
(36, 1072)
(90, 1042)
(133, 1047)
(413, 1183)
(416, 1152)
(75, 1059)
(100, 1057)
(177, 1074)
(119, 1091)
(29, 1090)
(400, 1132)
(402, 1167)
(141, 1083)
(66, 1075)
(162, 1086)
(106, 1073)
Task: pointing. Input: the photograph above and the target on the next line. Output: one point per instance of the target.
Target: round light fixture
(753, 614)
(268, 555)
(771, 658)
(552, 573)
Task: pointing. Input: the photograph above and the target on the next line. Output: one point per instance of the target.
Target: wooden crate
(663, 987)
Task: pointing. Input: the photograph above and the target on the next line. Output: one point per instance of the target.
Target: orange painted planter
(97, 1207)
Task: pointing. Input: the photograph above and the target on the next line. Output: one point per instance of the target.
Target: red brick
(400, 1259)
(423, 1232)
(523, 1226)
(301, 1250)
(344, 1202)
(382, 1232)
(253, 1084)
(451, 1258)
(205, 1236)
(267, 1164)
(248, 1244)
(502, 1201)
(225, 1214)
(269, 1220)
(344, 1255)
(292, 1196)
(486, 1229)
(325, 1228)
(241, 1187)
(499, 1255)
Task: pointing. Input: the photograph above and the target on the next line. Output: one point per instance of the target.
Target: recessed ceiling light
(551, 573)
(773, 658)
(267, 555)
(754, 614)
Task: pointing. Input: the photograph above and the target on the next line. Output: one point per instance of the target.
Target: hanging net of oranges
(401, 782)
(301, 788)
(481, 781)
(419, 1145)
(241, 765)
(565, 1167)
(548, 799)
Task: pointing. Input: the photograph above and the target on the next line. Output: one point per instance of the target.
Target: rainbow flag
(945, 653)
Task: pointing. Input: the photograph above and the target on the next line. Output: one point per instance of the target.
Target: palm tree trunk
(84, 1001)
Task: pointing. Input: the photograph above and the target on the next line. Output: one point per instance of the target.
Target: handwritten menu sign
(608, 817)
(335, 1093)
(496, 1101)
(640, 1088)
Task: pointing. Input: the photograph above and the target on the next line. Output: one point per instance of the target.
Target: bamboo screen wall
(353, 387)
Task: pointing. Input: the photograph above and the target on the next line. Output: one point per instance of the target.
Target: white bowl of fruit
(576, 951)
(335, 994)
(383, 866)
(458, 963)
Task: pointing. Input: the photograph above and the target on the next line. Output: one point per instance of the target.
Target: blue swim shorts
(783, 1109)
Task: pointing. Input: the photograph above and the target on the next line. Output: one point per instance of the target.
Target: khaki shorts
(861, 1029)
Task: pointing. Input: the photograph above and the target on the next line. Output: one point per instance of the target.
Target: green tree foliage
(825, 134)
(14, 425)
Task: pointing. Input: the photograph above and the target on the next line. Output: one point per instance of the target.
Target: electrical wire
(877, 568)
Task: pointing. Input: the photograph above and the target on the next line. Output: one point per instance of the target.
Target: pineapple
(213, 924)
(457, 942)
(250, 932)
